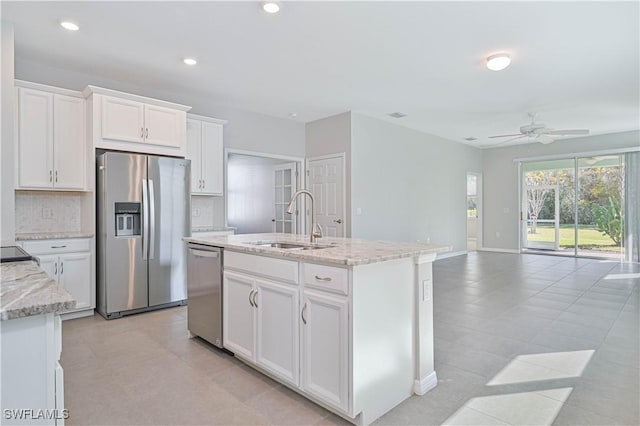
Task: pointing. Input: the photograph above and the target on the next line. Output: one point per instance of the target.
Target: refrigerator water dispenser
(128, 219)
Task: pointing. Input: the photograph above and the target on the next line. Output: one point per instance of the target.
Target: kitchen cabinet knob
(338, 221)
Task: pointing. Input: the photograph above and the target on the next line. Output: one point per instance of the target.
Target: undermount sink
(289, 246)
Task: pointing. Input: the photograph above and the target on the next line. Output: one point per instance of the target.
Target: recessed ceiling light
(68, 25)
(397, 114)
(293, 115)
(270, 6)
(498, 62)
(190, 61)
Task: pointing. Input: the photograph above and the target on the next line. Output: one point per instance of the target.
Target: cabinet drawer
(327, 278)
(283, 270)
(57, 246)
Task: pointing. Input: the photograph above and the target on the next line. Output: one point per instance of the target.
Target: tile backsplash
(38, 211)
(207, 211)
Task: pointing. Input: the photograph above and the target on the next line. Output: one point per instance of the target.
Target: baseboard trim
(422, 386)
(78, 314)
(499, 250)
(450, 254)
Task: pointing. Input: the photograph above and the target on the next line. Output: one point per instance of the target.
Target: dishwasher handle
(204, 253)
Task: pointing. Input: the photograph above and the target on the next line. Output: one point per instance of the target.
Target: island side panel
(383, 336)
(426, 378)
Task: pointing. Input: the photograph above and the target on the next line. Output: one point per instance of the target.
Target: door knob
(338, 220)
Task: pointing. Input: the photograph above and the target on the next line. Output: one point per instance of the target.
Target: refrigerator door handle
(152, 220)
(145, 220)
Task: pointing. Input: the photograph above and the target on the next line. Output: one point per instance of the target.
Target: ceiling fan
(539, 132)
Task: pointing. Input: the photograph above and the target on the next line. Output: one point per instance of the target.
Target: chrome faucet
(316, 229)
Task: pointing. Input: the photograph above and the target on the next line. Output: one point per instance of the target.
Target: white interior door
(285, 186)
(326, 182)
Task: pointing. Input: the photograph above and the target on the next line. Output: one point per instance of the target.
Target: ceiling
(574, 63)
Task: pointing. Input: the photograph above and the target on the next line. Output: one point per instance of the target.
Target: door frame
(479, 206)
(342, 156)
(301, 181)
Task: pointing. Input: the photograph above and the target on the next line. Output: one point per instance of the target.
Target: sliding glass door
(563, 215)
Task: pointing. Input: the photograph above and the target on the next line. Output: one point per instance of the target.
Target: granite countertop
(52, 235)
(340, 251)
(212, 228)
(26, 290)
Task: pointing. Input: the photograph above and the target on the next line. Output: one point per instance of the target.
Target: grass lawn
(588, 238)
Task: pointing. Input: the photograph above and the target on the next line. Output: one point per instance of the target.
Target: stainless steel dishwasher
(204, 292)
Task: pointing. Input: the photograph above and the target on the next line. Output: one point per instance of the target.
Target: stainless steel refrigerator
(143, 212)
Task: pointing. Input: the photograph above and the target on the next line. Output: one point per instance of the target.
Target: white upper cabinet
(205, 149)
(194, 153)
(69, 142)
(126, 122)
(51, 151)
(164, 126)
(122, 120)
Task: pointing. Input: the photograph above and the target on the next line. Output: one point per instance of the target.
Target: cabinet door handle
(50, 175)
(142, 132)
(146, 135)
(255, 293)
(325, 279)
(55, 271)
(304, 309)
(250, 294)
(338, 221)
(61, 268)
(58, 246)
(56, 176)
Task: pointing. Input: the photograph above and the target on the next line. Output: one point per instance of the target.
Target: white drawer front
(280, 269)
(328, 278)
(57, 246)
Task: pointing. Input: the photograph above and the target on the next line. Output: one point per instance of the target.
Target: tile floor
(520, 339)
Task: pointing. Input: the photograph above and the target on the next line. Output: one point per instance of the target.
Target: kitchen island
(31, 343)
(347, 323)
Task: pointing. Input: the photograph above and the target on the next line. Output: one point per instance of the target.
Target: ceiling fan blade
(544, 139)
(567, 132)
(509, 140)
(504, 136)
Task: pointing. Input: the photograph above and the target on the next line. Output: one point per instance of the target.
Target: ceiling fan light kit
(498, 62)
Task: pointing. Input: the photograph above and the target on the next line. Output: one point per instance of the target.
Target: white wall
(332, 135)
(246, 130)
(7, 222)
(410, 185)
(501, 207)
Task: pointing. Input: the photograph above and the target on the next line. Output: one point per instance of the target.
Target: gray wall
(7, 216)
(246, 130)
(332, 135)
(410, 185)
(501, 207)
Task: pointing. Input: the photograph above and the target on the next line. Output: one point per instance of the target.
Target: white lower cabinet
(277, 343)
(260, 323)
(70, 263)
(238, 325)
(325, 347)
